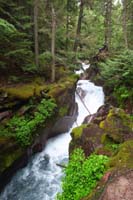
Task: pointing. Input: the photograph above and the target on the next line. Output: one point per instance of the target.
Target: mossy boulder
(123, 159)
(118, 178)
(86, 137)
(77, 132)
(103, 137)
(117, 126)
(76, 138)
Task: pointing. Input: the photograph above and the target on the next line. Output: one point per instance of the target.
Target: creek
(41, 178)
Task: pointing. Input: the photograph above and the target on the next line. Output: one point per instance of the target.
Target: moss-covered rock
(87, 137)
(123, 159)
(76, 138)
(117, 126)
(9, 152)
(77, 132)
(103, 137)
(119, 166)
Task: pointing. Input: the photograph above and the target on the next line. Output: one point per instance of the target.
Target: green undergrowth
(82, 175)
(24, 127)
(117, 74)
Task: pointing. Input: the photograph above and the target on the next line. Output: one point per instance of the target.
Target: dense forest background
(37, 37)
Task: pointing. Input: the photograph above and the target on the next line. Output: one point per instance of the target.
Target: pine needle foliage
(118, 75)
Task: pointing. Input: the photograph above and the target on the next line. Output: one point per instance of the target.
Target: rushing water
(41, 178)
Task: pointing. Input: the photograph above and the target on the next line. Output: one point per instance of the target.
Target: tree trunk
(67, 25)
(130, 38)
(53, 43)
(36, 32)
(108, 22)
(125, 22)
(77, 38)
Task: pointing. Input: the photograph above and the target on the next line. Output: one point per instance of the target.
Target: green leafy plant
(81, 175)
(22, 128)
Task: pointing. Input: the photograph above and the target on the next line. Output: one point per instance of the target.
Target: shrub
(117, 73)
(82, 175)
(22, 128)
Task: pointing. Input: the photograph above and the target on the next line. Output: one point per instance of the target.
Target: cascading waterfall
(41, 178)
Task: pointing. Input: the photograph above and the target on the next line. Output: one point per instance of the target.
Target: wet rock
(63, 125)
(91, 139)
(109, 127)
(121, 188)
(89, 118)
(44, 162)
(38, 147)
(117, 125)
(99, 116)
(88, 138)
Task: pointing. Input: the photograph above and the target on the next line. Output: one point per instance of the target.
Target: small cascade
(41, 178)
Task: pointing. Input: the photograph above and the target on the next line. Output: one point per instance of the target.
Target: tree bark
(53, 42)
(125, 23)
(108, 22)
(130, 34)
(78, 31)
(67, 25)
(36, 32)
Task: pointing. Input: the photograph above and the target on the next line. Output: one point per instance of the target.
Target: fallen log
(61, 165)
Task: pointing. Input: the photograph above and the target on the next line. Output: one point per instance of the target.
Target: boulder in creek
(87, 137)
(99, 116)
(114, 127)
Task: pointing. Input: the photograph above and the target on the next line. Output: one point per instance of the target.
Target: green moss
(76, 132)
(8, 159)
(24, 91)
(124, 156)
(27, 90)
(57, 89)
(63, 111)
(9, 152)
(114, 118)
(111, 138)
(115, 125)
(101, 125)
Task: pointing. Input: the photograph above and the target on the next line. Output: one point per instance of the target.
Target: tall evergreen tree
(78, 29)
(108, 22)
(36, 4)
